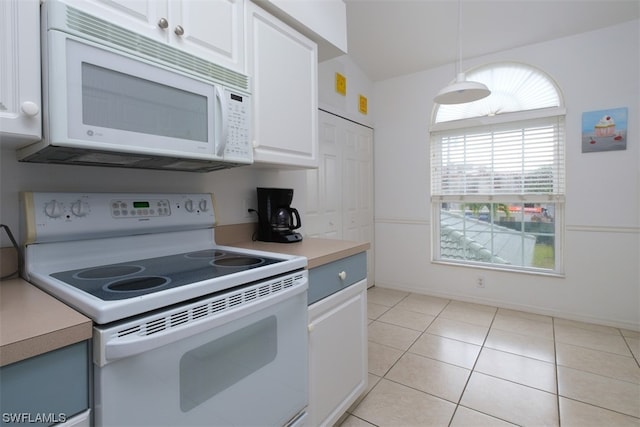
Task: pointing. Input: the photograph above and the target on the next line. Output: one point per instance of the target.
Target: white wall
(357, 84)
(595, 70)
(231, 187)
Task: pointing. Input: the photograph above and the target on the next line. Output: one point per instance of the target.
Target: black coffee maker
(276, 218)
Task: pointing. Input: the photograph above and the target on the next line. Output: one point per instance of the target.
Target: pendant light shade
(462, 91)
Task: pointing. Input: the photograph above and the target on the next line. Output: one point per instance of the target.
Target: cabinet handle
(342, 275)
(30, 108)
(179, 30)
(163, 23)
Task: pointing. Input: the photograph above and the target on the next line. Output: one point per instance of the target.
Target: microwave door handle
(223, 115)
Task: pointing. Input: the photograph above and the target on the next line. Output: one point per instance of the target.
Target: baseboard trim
(513, 306)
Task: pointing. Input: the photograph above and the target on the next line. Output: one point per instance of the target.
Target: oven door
(236, 359)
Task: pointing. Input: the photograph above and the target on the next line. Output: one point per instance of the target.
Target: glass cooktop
(140, 277)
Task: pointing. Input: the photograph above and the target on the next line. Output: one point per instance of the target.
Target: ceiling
(388, 38)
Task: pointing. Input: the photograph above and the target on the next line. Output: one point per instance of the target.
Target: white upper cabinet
(20, 105)
(212, 30)
(323, 21)
(284, 68)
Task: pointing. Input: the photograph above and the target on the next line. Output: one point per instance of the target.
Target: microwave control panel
(239, 147)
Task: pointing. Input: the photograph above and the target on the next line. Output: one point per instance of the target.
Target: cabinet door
(283, 64)
(146, 17)
(20, 115)
(209, 29)
(212, 30)
(337, 353)
(55, 384)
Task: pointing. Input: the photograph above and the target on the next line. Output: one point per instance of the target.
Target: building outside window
(498, 173)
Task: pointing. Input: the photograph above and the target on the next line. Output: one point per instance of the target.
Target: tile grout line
(403, 353)
(473, 368)
(457, 404)
(471, 371)
(422, 333)
(555, 363)
(624, 338)
(364, 396)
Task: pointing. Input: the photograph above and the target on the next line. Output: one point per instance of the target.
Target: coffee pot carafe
(276, 218)
(285, 218)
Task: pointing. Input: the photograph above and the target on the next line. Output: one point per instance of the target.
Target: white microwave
(112, 97)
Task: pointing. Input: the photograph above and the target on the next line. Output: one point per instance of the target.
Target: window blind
(522, 160)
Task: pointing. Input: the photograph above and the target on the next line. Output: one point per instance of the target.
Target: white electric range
(225, 326)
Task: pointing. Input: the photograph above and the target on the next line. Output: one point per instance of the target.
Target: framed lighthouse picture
(604, 130)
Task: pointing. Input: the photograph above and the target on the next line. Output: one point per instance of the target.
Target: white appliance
(115, 98)
(186, 332)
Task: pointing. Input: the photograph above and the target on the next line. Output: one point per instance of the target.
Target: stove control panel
(53, 216)
(124, 208)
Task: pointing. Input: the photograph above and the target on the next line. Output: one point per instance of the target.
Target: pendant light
(461, 91)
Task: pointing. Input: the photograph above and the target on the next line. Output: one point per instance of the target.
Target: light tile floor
(439, 362)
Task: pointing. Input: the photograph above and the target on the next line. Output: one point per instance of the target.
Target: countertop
(32, 322)
(317, 251)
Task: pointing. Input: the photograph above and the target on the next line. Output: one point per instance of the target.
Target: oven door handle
(109, 346)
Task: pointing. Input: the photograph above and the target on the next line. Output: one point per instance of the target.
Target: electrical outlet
(480, 282)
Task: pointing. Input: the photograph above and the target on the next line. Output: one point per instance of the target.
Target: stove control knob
(53, 209)
(203, 205)
(80, 208)
(188, 205)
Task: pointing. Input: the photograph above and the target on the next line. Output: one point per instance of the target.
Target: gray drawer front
(47, 385)
(324, 280)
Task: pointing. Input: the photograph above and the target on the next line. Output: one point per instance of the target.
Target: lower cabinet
(337, 350)
(52, 388)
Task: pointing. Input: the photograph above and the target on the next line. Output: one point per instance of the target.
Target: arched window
(497, 173)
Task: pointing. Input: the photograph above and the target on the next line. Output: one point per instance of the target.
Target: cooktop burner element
(236, 261)
(109, 271)
(137, 284)
(140, 277)
(207, 253)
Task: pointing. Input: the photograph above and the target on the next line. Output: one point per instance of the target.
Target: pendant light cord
(459, 67)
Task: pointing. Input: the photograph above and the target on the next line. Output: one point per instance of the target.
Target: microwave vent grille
(105, 32)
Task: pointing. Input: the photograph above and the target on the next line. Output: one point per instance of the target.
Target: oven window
(211, 368)
(115, 100)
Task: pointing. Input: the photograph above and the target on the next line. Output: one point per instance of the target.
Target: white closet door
(340, 191)
(323, 217)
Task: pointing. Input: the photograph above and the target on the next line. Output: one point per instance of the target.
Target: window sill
(478, 266)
